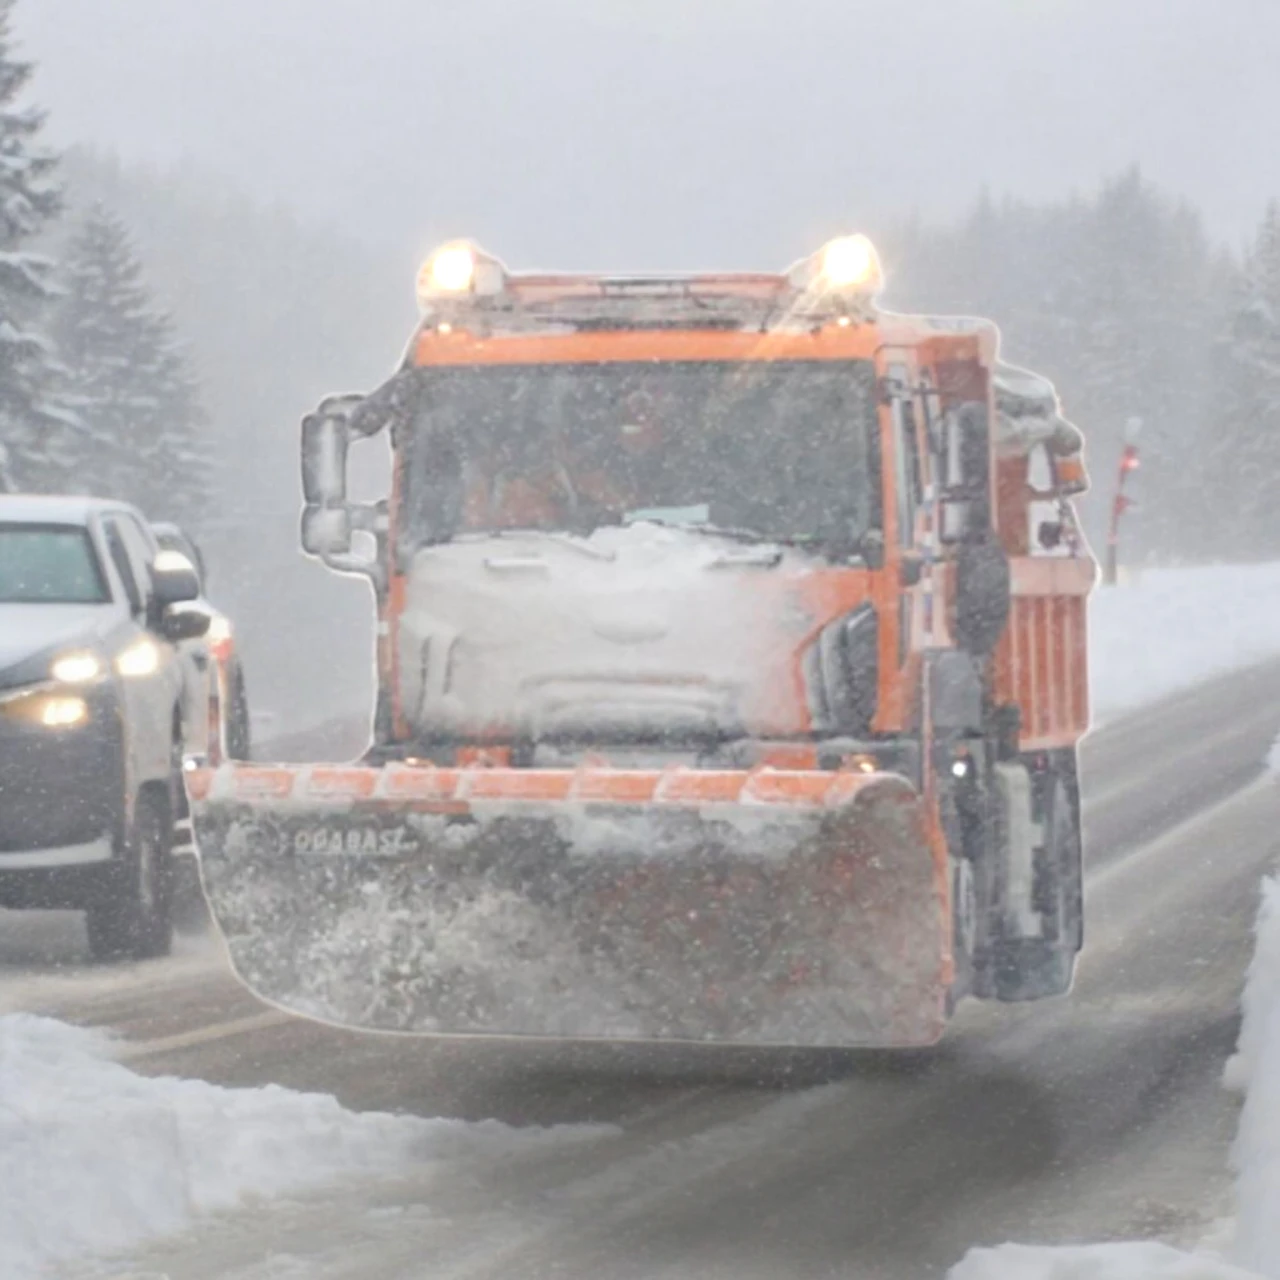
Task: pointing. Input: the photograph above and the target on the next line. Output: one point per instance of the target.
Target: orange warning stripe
(426, 786)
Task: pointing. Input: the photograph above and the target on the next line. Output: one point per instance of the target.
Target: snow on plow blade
(768, 907)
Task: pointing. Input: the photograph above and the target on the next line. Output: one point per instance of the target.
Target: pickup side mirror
(189, 622)
(173, 579)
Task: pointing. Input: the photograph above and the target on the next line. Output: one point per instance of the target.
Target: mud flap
(745, 908)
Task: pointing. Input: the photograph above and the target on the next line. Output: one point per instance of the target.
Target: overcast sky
(681, 133)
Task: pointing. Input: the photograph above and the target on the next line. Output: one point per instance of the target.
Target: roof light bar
(846, 265)
(458, 270)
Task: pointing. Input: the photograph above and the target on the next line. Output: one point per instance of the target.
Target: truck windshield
(49, 564)
(778, 450)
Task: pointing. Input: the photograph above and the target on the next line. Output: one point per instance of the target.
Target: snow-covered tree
(1245, 460)
(1118, 297)
(145, 431)
(37, 432)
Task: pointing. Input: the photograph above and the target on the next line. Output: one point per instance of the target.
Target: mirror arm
(349, 562)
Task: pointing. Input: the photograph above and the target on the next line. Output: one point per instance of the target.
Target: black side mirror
(173, 579)
(1049, 535)
(871, 549)
(187, 623)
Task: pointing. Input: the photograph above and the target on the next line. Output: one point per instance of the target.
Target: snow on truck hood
(27, 629)
(647, 627)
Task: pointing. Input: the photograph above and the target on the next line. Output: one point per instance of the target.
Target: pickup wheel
(132, 918)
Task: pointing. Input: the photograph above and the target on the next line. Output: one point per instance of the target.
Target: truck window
(906, 449)
(120, 558)
(774, 449)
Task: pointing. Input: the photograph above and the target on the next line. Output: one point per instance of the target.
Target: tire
(1033, 968)
(239, 745)
(132, 918)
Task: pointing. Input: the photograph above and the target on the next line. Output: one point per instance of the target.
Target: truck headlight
(79, 667)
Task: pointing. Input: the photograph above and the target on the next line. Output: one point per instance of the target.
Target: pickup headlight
(80, 667)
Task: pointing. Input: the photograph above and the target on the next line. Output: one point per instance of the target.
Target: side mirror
(173, 579)
(870, 549)
(326, 531)
(324, 459)
(187, 623)
(1049, 535)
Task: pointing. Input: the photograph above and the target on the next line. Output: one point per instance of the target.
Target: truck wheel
(238, 741)
(132, 918)
(1031, 968)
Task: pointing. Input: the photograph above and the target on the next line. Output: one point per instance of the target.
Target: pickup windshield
(49, 564)
(774, 450)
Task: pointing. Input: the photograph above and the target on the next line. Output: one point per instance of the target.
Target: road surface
(1095, 1117)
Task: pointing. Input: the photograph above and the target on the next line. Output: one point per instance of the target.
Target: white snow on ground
(1168, 629)
(94, 1158)
(1261, 1001)
(1255, 1155)
(1142, 1261)
(1254, 1245)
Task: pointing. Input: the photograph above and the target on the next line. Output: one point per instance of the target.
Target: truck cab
(712, 552)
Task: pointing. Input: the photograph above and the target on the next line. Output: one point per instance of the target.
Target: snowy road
(1093, 1118)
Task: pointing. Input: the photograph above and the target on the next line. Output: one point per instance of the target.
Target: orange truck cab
(731, 633)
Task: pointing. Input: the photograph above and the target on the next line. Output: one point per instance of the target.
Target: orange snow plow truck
(731, 666)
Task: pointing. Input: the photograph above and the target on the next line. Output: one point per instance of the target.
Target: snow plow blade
(762, 907)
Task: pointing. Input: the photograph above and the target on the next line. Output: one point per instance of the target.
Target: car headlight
(142, 658)
(79, 667)
(50, 710)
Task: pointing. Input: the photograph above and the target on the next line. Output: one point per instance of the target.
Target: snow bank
(1171, 628)
(1144, 1261)
(1255, 1155)
(1255, 1160)
(1261, 1001)
(94, 1158)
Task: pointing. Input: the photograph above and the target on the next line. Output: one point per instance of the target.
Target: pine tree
(1246, 457)
(1117, 297)
(37, 431)
(145, 430)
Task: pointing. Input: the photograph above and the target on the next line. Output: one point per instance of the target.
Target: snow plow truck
(731, 664)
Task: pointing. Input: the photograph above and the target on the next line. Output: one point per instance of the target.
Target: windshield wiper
(737, 535)
(570, 540)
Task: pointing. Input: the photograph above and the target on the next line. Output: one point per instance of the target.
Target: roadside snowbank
(1143, 1261)
(94, 1158)
(1255, 1161)
(1255, 1155)
(1171, 628)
